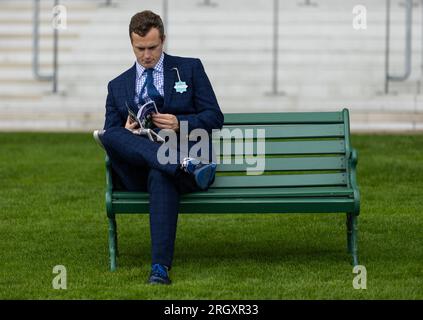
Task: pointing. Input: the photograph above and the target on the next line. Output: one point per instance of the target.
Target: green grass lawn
(52, 213)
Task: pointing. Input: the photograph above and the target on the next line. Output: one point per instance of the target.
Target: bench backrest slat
(301, 150)
(288, 147)
(289, 164)
(285, 117)
(293, 130)
(289, 180)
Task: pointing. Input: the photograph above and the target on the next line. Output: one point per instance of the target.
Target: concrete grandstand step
(309, 77)
(24, 36)
(7, 98)
(44, 28)
(25, 87)
(45, 21)
(61, 123)
(23, 66)
(24, 5)
(25, 49)
(241, 90)
(90, 121)
(287, 58)
(185, 46)
(395, 121)
(219, 75)
(253, 58)
(261, 102)
(270, 103)
(213, 32)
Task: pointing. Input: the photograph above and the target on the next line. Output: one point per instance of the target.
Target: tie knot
(149, 71)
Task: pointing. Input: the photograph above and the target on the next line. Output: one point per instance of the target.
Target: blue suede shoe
(159, 274)
(203, 173)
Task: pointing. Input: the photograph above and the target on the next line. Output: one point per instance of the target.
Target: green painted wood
(271, 192)
(291, 193)
(280, 180)
(259, 205)
(352, 237)
(276, 205)
(285, 117)
(112, 243)
(249, 193)
(282, 147)
(351, 171)
(288, 164)
(281, 131)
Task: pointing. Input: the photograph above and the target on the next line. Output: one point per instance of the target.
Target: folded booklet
(145, 121)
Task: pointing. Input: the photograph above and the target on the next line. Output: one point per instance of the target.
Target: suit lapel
(130, 88)
(169, 78)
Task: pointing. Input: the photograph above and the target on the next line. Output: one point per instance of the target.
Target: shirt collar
(158, 67)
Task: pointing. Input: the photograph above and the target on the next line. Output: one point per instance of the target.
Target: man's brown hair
(142, 22)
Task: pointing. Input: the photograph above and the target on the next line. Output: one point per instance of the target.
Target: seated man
(183, 95)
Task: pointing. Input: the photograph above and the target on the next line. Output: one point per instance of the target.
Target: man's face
(147, 49)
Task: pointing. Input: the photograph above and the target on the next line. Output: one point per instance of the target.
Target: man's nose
(147, 53)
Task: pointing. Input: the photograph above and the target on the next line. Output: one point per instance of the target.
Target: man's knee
(111, 135)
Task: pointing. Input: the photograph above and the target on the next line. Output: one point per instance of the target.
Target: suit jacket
(197, 105)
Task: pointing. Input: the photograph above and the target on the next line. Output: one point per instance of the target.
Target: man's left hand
(165, 121)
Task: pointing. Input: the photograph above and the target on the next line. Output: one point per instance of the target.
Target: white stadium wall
(324, 62)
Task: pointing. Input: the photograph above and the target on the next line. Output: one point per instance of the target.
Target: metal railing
(36, 48)
(165, 15)
(275, 50)
(107, 3)
(208, 3)
(407, 55)
(421, 49)
(308, 3)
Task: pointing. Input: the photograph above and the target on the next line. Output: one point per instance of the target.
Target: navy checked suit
(133, 158)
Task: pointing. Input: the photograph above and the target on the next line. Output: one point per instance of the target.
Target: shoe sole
(97, 139)
(155, 280)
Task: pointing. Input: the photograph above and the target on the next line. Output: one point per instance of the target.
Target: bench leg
(116, 238)
(112, 243)
(352, 240)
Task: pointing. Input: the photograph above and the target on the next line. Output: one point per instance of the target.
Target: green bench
(310, 167)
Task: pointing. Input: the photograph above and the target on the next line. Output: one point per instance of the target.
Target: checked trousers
(134, 161)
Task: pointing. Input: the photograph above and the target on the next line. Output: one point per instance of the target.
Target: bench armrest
(352, 162)
(109, 181)
(109, 187)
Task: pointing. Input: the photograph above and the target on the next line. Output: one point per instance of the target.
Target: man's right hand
(130, 124)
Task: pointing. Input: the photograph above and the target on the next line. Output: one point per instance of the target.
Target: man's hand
(165, 121)
(130, 124)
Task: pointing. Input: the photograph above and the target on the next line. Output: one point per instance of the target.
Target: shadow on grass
(240, 252)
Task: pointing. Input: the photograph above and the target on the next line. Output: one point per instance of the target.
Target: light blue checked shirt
(141, 77)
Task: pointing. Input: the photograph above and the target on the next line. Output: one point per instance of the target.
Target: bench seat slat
(290, 130)
(279, 164)
(280, 180)
(249, 193)
(286, 117)
(250, 205)
(286, 147)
